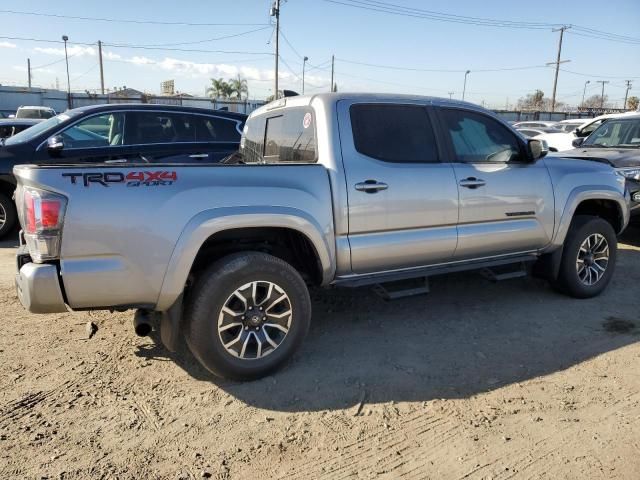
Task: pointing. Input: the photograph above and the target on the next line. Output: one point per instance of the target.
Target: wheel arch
(212, 230)
(600, 201)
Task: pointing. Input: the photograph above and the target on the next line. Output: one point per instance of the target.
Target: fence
(13, 97)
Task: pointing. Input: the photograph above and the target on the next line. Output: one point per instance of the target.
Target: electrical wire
(142, 47)
(395, 9)
(123, 20)
(412, 69)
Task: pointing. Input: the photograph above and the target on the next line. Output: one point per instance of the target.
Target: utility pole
(557, 64)
(626, 93)
(29, 75)
(451, 95)
(275, 12)
(65, 39)
(602, 95)
(584, 91)
(304, 63)
(464, 89)
(333, 61)
(101, 69)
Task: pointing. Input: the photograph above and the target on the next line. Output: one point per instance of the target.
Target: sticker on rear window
(306, 121)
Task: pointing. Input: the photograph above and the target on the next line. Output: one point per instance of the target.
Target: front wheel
(588, 258)
(246, 315)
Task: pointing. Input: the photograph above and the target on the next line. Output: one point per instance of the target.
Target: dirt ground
(475, 380)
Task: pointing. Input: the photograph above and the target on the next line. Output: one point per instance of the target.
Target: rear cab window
(394, 133)
(282, 136)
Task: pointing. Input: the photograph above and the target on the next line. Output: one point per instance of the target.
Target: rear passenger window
(215, 129)
(290, 137)
(159, 127)
(393, 133)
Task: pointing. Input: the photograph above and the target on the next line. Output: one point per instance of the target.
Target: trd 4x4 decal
(131, 179)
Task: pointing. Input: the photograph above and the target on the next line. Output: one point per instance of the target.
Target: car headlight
(632, 173)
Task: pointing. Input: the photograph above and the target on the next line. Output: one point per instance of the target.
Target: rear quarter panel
(119, 241)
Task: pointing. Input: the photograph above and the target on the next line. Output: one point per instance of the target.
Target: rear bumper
(38, 288)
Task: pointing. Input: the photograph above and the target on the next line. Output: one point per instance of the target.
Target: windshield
(31, 133)
(616, 133)
(34, 113)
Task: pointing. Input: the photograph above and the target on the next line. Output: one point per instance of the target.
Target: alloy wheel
(593, 258)
(255, 320)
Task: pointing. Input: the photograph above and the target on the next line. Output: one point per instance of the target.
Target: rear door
(506, 200)
(402, 201)
(181, 137)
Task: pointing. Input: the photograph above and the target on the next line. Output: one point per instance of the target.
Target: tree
(595, 101)
(632, 103)
(532, 101)
(238, 87)
(219, 89)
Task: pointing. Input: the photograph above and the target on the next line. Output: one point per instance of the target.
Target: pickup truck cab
(329, 190)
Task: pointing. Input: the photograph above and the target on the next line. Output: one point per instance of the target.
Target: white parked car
(35, 112)
(561, 141)
(569, 126)
(534, 124)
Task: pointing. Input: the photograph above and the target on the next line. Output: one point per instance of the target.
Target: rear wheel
(246, 315)
(588, 258)
(8, 215)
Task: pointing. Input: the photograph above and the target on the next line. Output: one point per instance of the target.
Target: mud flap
(548, 265)
(170, 325)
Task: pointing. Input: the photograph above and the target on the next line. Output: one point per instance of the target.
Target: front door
(506, 200)
(94, 139)
(402, 201)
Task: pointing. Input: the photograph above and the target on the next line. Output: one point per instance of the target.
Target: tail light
(41, 216)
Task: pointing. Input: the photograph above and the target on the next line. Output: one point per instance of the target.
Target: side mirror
(55, 144)
(537, 148)
(576, 142)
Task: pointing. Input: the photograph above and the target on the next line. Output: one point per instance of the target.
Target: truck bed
(127, 226)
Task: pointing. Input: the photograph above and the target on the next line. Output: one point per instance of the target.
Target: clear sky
(320, 28)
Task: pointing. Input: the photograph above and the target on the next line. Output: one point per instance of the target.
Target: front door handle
(371, 186)
(472, 182)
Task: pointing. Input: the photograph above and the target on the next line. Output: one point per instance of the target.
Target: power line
(123, 20)
(596, 74)
(207, 39)
(284, 37)
(142, 47)
(394, 9)
(83, 74)
(435, 70)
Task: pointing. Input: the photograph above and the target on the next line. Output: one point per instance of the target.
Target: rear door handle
(472, 182)
(199, 155)
(371, 186)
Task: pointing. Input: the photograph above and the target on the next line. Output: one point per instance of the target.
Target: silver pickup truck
(328, 190)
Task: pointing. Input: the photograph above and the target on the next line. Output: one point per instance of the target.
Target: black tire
(8, 211)
(583, 227)
(215, 288)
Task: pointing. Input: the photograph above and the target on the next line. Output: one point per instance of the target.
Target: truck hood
(616, 157)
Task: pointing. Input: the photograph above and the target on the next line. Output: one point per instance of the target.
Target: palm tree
(239, 86)
(218, 89)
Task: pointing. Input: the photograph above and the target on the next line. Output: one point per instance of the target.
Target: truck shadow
(467, 336)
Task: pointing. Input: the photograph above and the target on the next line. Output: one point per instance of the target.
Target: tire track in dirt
(419, 432)
(17, 409)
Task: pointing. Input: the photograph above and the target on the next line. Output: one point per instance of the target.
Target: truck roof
(329, 98)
